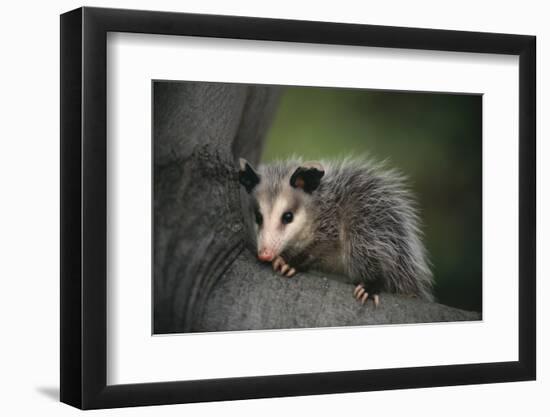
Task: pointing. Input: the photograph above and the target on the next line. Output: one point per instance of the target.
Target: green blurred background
(434, 138)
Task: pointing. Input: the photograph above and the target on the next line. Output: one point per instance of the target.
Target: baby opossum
(354, 218)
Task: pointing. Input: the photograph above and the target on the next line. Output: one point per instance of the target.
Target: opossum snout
(266, 255)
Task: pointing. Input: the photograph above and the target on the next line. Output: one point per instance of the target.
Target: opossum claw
(280, 266)
(278, 262)
(362, 294)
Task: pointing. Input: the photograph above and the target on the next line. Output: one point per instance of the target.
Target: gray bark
(204, 277)
(250, 297)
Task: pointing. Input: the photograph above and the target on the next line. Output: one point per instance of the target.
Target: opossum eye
(259, 217)
(287, 217)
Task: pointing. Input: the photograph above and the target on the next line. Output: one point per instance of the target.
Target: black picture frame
(83, 207)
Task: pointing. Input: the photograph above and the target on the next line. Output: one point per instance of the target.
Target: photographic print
(244, 199)
(284, 207)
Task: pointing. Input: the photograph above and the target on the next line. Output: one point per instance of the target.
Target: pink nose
(266, 255)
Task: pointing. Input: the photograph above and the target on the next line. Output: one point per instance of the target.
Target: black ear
(247, 176)
(308, 176)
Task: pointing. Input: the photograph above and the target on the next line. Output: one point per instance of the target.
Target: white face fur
(281, 223)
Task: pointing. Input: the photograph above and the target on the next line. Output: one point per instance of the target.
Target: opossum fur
(352, 217)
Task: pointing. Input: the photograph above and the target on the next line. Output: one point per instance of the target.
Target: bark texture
(204, 277)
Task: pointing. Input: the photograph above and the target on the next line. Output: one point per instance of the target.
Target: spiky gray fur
(364, 224)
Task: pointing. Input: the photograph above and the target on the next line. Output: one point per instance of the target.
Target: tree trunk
(204, 277)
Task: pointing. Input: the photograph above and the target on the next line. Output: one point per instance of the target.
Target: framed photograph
(257, 208)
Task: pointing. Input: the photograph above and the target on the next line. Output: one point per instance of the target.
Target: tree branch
(251, 296)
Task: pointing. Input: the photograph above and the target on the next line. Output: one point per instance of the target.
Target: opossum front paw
(280, 266)
(363, 292)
